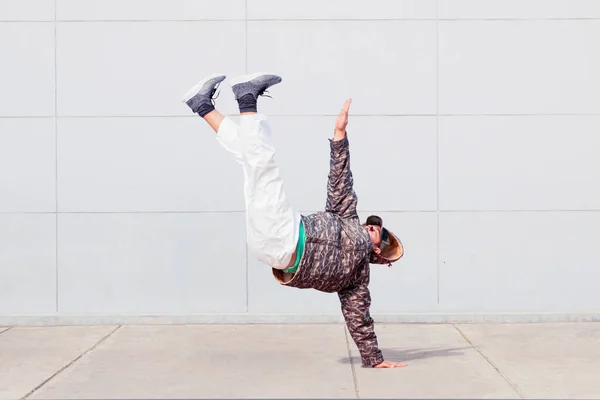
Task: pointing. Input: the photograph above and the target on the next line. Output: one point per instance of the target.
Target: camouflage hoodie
(337, 254)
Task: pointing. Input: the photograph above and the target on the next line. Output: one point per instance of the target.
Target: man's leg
(272, 223)
(200, 100)
(227, 133)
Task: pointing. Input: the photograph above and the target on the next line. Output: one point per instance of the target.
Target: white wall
(482, 116)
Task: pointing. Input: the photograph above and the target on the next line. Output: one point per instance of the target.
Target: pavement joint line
(354, 379)
(5, 329)
(98, 343)
(512, 385)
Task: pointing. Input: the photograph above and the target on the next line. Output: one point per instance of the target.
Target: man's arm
(356, 301)
(341, 198)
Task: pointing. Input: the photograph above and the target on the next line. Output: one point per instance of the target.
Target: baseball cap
(391, 247)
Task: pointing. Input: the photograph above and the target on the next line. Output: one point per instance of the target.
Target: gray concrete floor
(299, 361)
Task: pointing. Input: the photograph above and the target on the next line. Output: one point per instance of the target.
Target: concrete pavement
(299, 361)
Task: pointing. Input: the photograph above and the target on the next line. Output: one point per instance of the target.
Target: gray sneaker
(200, 97)
(247, 89)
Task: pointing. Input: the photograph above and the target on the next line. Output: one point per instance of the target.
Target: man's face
(375, 234)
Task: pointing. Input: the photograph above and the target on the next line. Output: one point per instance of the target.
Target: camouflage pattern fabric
(337, 253)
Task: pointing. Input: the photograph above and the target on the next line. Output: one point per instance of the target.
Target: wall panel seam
(437, 128)
(56, 260)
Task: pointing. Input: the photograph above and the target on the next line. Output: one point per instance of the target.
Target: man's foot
(247, 88)
(200, 97)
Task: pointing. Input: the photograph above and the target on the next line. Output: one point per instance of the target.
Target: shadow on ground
(398, 355)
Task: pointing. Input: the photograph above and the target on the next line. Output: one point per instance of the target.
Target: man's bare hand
(342, 121)
(390, 364)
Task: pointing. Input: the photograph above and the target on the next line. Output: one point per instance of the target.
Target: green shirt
(301, 241)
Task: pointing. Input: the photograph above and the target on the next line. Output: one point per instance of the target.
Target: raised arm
(341, 198)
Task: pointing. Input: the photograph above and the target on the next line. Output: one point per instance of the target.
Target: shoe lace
(262, 93)
(212, 94)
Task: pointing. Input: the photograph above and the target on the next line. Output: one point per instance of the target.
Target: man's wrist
(339, 134)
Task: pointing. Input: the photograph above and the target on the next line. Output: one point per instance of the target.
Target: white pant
(272, 224)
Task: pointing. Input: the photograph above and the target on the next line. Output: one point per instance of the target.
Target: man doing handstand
(329, 251)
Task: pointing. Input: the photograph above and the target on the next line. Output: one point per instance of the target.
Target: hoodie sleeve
(356, 301)
(341, 198)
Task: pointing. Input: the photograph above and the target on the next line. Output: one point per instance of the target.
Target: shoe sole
(247, 78)
(196, 88)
